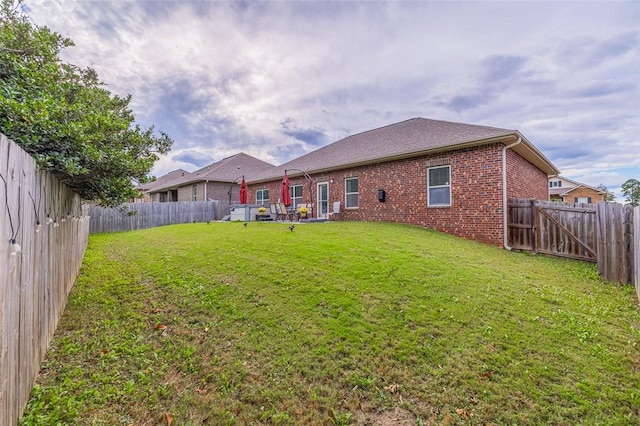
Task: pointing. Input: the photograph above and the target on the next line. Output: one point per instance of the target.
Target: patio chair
(334, 210)
(283, 213)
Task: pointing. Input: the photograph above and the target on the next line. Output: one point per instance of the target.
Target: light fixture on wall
(36, 210)
(15, 247)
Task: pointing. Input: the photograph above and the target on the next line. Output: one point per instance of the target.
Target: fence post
(601, 238)
(636, 249)
(534, 228)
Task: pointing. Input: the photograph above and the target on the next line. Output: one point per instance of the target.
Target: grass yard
(336, 324)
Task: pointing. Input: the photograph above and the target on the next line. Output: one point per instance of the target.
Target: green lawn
(336, 323)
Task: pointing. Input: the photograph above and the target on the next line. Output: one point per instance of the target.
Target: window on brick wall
(439, 186)
(585, 200)
(351, 194)
(296, 194)
(262, 196)
(194, 193)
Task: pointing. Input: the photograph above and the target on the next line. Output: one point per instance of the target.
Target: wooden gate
(566, 230)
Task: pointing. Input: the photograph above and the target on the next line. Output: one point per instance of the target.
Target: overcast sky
(278, 79)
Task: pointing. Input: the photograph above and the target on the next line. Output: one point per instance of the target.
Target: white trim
(319, 213)
(505, 206)
(346, 205)
(262, 198)
(448, 166)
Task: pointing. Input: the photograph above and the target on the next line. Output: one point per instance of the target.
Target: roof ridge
(426, 120)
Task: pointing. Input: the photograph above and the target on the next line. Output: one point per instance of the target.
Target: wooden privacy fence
(567, 230)
(636, 248)
(34, 282)
(603, 233)
(132, 216)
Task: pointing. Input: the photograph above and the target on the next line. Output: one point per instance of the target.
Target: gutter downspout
(205, 190)
(505, 209)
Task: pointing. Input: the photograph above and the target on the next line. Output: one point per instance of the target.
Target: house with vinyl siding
(567, 190)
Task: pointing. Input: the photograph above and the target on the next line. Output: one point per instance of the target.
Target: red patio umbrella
(243, 192)
(285, 195)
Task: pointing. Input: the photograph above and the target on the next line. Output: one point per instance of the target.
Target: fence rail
(132, 216)
(603, 233)
(551, 228)
(35, 282)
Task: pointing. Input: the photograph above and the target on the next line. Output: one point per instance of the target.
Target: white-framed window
(194, 193)
(439, 186)
(555, 184)
(351, 194)
(584, 200)
(262, 196)
(296, 195)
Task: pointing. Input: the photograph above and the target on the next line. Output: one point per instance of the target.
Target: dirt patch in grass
(395, 417)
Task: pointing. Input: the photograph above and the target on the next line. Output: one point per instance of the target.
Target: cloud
(498, 68)
(314, 136)
(195, 158)
(277, 79)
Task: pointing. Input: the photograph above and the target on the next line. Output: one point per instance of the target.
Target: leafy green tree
(64, 117)
(631, 191)
(609, 196)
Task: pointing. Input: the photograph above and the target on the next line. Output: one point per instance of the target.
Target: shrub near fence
(132, 216)
(35, 282)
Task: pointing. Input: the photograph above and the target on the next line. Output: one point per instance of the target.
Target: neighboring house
(569, 191)
(158, 183)
(213, 182)
(452, 177)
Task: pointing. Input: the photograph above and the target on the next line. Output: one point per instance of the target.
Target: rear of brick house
(440, 175)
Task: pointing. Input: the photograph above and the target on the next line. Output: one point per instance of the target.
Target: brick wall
(476, 191)
(185, 193)
(220, 191)
(524, 180)
(583, 192)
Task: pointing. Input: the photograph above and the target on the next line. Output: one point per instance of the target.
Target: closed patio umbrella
(243, 192)
(285, 195)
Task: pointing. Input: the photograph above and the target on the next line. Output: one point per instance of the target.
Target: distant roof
(225, 170)
(417, 136)
(164, 180)
(566, 190)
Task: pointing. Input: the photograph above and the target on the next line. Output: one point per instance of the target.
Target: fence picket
(635, 253)
(35, 282)
(132, 216)
(607, 234)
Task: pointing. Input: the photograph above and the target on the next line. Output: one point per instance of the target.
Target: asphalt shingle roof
(225, 170)
(404, 139)
(163, 180)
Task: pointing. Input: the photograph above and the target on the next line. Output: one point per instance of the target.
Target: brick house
(452, 177)
(212, 182)
(566, 190)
